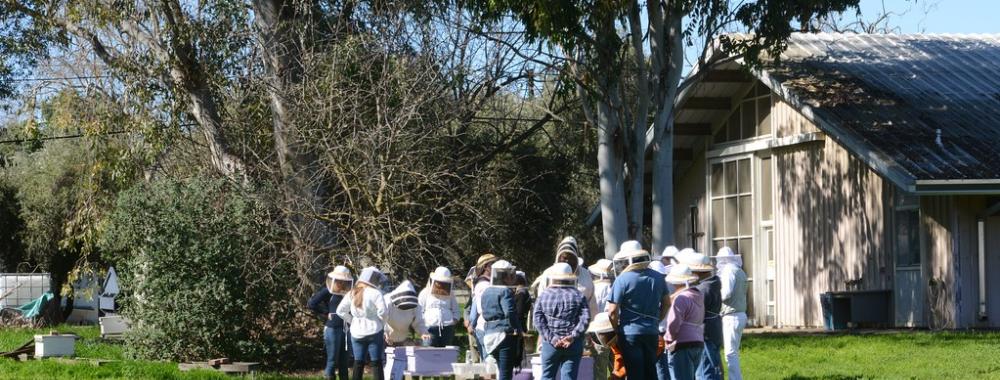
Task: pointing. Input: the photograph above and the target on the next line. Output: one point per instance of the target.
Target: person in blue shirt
(638, 302)
(324, 303)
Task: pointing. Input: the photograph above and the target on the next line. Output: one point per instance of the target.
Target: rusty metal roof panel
(895, 92)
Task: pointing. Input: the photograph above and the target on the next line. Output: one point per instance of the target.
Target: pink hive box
(430, 360)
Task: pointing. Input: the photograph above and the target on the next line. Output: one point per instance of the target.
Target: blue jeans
(663, 367)
(504, 355)
(684, 362)
(710, 367)
(441, 336)
(562, 361)
(337, 356)
(639, 355)
(369, 349)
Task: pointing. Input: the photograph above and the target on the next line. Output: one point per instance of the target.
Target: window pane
(770, 245)
(731, 220)
(720, 134)
(733, 126)
(763, 116)
(766, 187)
(745, 215)
(718, 215)
(717, 180)
(746, 250)
(716, 244)
(907, 238)
(743, 176)
(731, 178)
(748, 120)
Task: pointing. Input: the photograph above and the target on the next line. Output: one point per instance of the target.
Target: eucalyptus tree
(626, 59)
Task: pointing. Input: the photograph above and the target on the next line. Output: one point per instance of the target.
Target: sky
(944, 16)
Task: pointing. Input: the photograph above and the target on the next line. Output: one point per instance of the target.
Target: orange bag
(618, 363)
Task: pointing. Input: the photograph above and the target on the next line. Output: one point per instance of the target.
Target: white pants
(732, 333)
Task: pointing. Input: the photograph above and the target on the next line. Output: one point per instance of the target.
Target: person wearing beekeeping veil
(440, 308)
(365, 310)
(638, 302)
(710, 287)
(569, 252)
(405, 317)
(734, 307)
(496, 309)
(324, 303)
(685, 329)
(561, 316)
(603, 276)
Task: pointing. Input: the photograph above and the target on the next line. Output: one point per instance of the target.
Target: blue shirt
(638, 294)
(323, 303)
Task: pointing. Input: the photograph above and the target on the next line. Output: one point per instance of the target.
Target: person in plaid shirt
(561, 316)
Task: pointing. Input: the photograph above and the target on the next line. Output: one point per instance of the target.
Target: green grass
(89, 346)
(888, 355)
(884, 355)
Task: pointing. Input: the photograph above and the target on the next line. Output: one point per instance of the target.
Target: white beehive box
(47, 346)
(113, 325)
(430, 360)
(586, 371)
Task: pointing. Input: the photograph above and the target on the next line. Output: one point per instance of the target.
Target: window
(732, 206)
(751, 118)
(907, 224)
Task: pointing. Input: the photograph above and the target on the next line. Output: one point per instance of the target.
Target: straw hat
(698, 262)
(485, 259)
(441, 274)
(601, 324)
(602, 267)
(631, 256)
(657, 266)
(560, 274)
(680, 274)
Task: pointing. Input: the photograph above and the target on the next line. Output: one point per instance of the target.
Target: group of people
(640, 316)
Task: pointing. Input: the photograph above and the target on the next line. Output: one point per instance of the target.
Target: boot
(378, 371)
(358, 373)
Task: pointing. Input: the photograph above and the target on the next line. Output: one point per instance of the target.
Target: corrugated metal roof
(892, 93)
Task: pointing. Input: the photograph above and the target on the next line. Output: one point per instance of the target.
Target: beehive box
(395, 362)
(47, 346)
(430, 360)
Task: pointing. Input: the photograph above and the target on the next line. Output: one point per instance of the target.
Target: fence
(17, 289)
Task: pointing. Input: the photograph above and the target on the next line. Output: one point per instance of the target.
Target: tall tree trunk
(637, 150)
(610, 164)
(663, 135)
(284, 26)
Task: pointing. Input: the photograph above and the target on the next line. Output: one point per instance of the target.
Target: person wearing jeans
(440, 308)
(561, 316)
(364, 309)
(497, 313)
(734, 307)
(685, 330)
(710, 287)
(638, 302)
(324, 303)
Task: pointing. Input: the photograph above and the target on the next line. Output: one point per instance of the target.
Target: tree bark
(637, 154)
(663, 136)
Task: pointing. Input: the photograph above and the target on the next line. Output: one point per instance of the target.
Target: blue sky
(945, 16)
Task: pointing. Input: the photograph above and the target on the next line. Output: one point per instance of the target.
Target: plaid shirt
(561, 312)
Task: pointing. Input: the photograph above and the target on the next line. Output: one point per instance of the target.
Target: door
(909, 284)
(764, 302)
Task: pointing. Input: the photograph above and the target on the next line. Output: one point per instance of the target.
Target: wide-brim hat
(601, 324)
(727, 255)
(485, 260)
(602, 267)
(681, 274)
(628, 260)
(441, 274)
(340, 273)
(560, 272)
(698, 262)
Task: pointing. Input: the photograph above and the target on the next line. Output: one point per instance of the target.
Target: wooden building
(859, 162)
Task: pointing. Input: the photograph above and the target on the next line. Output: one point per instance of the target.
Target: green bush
(202, 280)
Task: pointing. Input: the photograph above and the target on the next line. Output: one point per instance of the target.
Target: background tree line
(224, 154)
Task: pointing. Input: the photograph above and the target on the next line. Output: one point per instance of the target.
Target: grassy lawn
(89, 346)
(890, 355)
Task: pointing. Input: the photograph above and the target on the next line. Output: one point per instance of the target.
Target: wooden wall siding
(829, 226)
(788, 121)
(967, 268)
(938, 217)
(690, 190)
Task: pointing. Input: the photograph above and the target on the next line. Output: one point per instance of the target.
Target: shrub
(203, 280)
